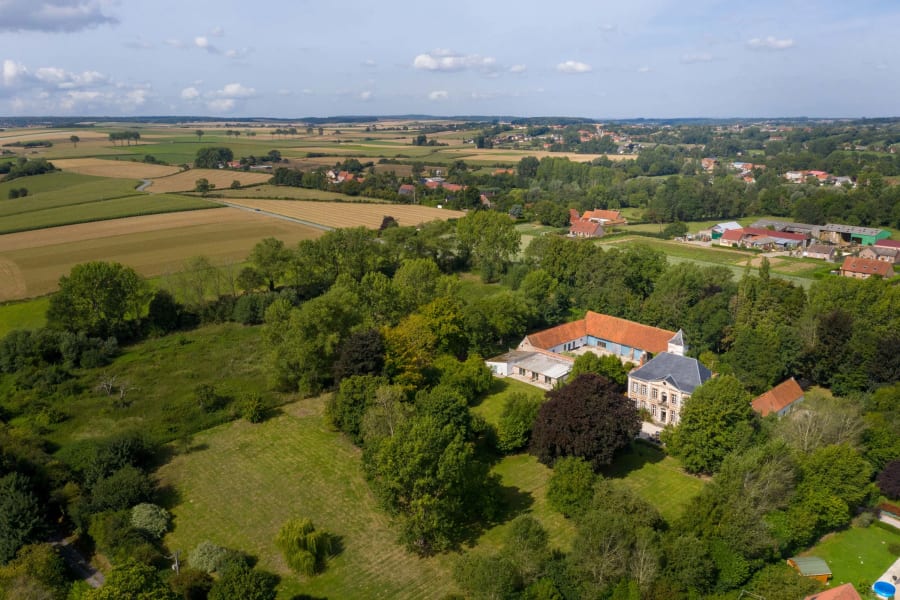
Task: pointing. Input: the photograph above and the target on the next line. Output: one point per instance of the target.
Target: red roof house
(586, 229)
(606, 217)
(841, 592)
(863, 268)
(780, 399)
(887, 244)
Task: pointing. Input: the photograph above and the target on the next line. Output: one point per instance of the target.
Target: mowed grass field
(31, 262)
(187, 180)
(120, 169)
(338, 214)
(244, 481)
(29, 314)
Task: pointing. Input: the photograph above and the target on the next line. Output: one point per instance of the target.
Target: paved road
(77, 562)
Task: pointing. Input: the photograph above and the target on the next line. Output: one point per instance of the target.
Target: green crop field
(280, 192)
(857, 556)
(101, 210)
(243, 481)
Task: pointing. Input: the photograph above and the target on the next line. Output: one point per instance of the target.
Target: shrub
(244, 583)
(516, 421)
(191, 584)
(252, 408)
(571, 486)
(304, 548)
(150, 518)
(208, 557)
(121, 490)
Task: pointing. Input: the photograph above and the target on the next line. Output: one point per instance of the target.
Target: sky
(583, 58)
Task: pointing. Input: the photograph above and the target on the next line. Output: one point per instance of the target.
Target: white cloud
(175, 43)
(221, 105)
(770, 43)
(574, 66)
(190, 93)
(235, 90)
(217, 32)
(13, 72)
(370, 63)
(236, 53)
(202, 42)
(53, 15)
(517, 69)
(438, 95)
(366, 95)
(644, 69)
(446, 61)
(699, 57)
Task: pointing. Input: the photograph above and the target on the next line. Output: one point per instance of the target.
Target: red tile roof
(574, 217)
(453, 187)
(841, 592)
(782, 395)
(888, 243)
(407, 188)
(614, 329)
(853, 264)
(586, 229)
(733, 235)
(799, 237)
(603, 215)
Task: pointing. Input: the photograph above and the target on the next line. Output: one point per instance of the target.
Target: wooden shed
(812, 567)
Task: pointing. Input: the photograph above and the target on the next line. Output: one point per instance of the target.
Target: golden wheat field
(31, 262)
(57, 136)
(342, 214)
(117, 169)
(221, 178)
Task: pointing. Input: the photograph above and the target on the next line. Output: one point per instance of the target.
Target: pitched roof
(602, 215)
(809, 566)
(733, 235)
(888, 243)
(779, 397)
(841, 592)
(574, 217)
(678, 338)
(727, 226)
(820, 249)
(869, 266)
(407, 188)
(684, 373)
(586, 228)
(798, 237)
(613, 329)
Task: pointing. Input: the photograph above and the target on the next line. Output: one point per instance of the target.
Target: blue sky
(602, 59)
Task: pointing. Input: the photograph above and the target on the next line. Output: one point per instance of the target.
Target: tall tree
(199, 133)
(587, 417)
(98, 298)
(271, 259)
(490, 240)
(715, 420)
(74, 139)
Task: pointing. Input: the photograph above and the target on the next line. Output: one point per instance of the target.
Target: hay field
(342, 214)
(57, 136)
(154, 245)
(516, 155)
(221, 178)
(283, 192)
(117, 169)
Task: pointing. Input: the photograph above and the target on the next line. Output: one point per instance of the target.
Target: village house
(841, 592)
(887, 243)
(752, 237)
(407, 189)
(821, 252)
(780, 399)
(888, 255)
(863, 268)
(709, 164)
(665, 382)
(536, 367)
(604, 217)
(586, 229)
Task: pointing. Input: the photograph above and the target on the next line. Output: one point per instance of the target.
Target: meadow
(114, 168)
(335, 214)
(280, 192)
(33, 261)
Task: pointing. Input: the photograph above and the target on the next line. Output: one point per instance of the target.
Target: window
(674, 399)
(521, 371)
(664, 397)
(546, 379)
(653, 393)
(601, 344)
(662, 415)
(653, 409)
(634, 387)
(674, 417)
(643, 390)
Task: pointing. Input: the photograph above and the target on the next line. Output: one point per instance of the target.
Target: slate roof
(606, 327)
(682, 372)
(841, 592)
(779, 397)
(678, 338)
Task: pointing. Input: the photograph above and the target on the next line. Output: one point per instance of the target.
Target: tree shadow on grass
(497, 386)
(632, 458)
(167, 497)
(511, 501)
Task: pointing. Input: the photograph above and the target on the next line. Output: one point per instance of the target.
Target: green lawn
(60, 189)
(857, 556)
(243, 481)
(656, 478)
(492, 405)
(28, 314)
